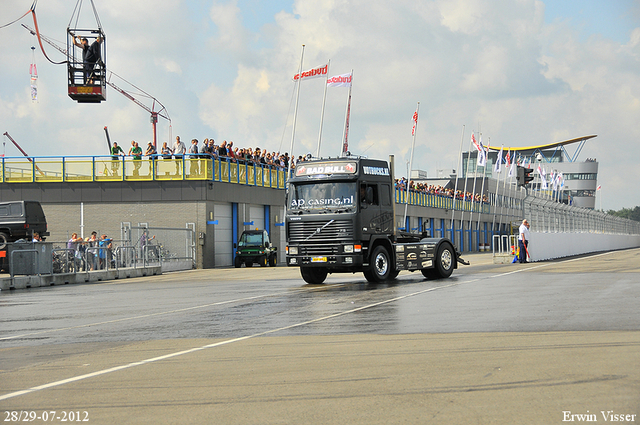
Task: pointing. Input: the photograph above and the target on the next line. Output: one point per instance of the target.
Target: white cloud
(489, 65)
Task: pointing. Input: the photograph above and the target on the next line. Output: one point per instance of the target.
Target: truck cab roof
(342, 168)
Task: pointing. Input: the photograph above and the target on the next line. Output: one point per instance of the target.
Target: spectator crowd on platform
(227, 151)
(209, 149)
(401, 184)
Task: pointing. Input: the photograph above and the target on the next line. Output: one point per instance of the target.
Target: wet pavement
(587, 300)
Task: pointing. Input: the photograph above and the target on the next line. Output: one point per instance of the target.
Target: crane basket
(86, 60)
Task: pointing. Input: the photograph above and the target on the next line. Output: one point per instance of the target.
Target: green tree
(631, 214)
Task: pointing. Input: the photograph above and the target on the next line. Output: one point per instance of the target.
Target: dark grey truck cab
(20, 220)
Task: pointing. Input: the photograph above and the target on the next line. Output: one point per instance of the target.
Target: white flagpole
(455, 190)
(473, 194)
(406, 205)
(504, 190)
(495, 210)
(484, 177)
(324, 101)
(464, 191)
(347, 117)
(504, 186)
(295, 112)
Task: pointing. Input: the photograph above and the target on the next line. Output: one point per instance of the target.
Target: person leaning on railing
(166, 151)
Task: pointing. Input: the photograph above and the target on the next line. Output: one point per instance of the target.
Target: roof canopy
(548, 146)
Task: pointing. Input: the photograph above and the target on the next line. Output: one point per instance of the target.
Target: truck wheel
(430, 273)
(3, 240)
(379, 265)
(272, 261)
(313, 275)
(444, 261)
(263, 261)
(237, 262)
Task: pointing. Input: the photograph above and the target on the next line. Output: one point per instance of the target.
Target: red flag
(415, 122)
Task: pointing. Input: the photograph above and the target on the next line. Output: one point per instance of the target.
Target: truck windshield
(250, 239)
(316, 196)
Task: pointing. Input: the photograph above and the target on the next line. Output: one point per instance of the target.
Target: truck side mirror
(266, 244)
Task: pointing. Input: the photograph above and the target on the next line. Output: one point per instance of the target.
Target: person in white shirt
(179, 149)
(523, 241)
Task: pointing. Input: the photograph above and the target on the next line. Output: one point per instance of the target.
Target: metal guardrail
(504, 244)
(11, 262)
(65, 260)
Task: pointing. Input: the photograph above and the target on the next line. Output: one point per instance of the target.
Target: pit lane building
(580, 177)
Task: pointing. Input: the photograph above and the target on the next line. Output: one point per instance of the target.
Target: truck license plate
(318, 259)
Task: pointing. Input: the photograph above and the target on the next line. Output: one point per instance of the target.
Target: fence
(139, 246)
(173, 248)
(549, 216)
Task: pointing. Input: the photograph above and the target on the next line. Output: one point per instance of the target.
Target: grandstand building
(580, 177)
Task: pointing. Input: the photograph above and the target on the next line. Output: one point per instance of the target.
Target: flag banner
(317, 72)
(345, 143)
(598, 188)
(343, 80)
(415, 122)
(499, 161)
(482, 157)
(486, 153)
(512, 170)
(475, 143)
(561, 181)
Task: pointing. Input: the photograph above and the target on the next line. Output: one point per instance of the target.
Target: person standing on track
(523, 241)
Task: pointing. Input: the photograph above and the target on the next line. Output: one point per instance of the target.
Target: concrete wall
(105, 205)
(546, 246)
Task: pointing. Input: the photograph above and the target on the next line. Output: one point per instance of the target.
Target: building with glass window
(579, 178)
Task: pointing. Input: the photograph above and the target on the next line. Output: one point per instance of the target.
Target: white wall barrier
(547, 246)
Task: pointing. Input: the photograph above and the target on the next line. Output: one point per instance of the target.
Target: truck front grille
(307, 231)
(319, 249)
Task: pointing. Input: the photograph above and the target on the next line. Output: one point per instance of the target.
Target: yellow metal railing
(439, 201)
(157, 168)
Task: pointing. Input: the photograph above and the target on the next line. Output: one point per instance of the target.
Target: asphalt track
(538, 343)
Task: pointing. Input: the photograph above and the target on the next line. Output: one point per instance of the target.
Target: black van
(19, 220)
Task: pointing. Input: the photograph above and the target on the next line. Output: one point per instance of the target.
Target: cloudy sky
(523, 72)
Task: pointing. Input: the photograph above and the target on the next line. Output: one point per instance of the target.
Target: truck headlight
(292, 250)
(348, 249)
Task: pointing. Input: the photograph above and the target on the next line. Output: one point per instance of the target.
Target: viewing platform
(82, 169)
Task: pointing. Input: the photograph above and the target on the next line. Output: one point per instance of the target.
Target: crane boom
(6, 133)
(154, 114)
